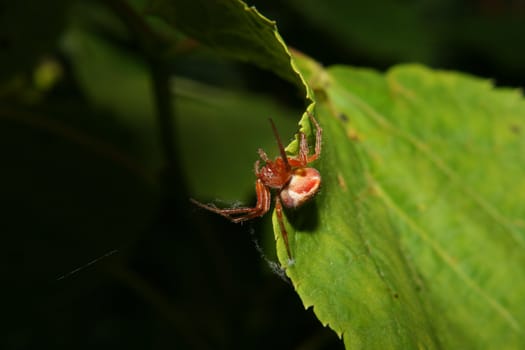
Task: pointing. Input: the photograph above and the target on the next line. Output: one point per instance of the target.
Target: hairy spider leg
(263, 156)
(280, 220)
(280, 144)
(304, 158)
(318, 138)
(303, 150)
(242, 214)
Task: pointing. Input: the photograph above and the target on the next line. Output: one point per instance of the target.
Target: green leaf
(231, 28)
(417, 237)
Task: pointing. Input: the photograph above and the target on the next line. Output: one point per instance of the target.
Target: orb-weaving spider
(289, 176)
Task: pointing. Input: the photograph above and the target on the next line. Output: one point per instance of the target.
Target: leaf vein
(449, 260)
(441, 165)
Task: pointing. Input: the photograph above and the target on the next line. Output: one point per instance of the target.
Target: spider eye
(303, 185)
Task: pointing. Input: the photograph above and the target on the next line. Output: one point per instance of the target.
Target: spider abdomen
(303, 185)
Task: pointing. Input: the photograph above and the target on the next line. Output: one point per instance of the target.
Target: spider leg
(318, 138)
(284, 157)
(302, 158)
(263, 155)
(242, 214)
(280, 220)
(303, 150)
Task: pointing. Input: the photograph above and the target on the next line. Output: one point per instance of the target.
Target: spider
(290, 177)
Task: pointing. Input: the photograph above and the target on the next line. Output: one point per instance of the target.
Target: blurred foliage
(481, 37)
(100, 247)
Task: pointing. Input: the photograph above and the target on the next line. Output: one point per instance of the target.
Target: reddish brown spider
(293, 181)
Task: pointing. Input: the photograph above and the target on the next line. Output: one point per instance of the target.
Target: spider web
(274, 266)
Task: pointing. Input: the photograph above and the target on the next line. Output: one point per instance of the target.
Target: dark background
(100, 245)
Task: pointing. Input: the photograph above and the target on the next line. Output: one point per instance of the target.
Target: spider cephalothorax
(293, 182)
